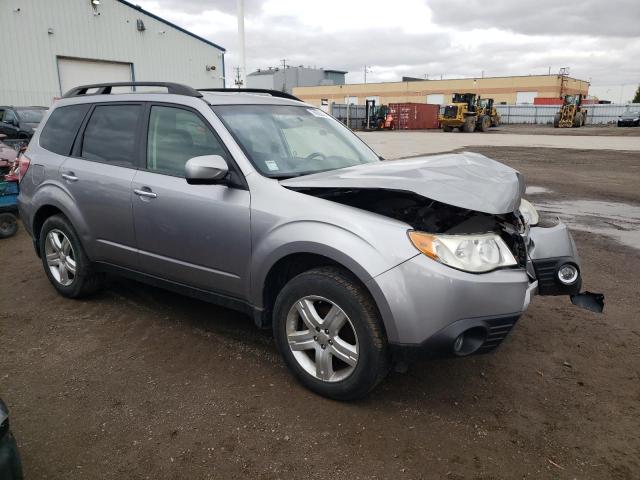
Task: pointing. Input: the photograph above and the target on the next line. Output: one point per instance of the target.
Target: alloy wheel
(60, 257)
(322, 339)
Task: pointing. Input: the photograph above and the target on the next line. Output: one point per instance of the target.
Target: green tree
(636, 98)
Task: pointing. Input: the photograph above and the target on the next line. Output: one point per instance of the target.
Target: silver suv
(259, 202)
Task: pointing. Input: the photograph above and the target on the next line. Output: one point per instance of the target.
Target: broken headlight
(476, 253)
(529, 212)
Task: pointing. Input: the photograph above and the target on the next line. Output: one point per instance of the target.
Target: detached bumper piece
(589, 301)
(461, 338)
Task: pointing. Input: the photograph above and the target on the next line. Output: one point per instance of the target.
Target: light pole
(243, 62)
(366, 70)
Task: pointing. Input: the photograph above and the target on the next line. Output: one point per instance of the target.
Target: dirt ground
(587, 130)
(140, 383)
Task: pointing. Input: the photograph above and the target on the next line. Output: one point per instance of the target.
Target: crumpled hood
(466, 180)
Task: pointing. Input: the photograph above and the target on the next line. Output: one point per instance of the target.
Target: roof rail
(273, 93)
(105, 88)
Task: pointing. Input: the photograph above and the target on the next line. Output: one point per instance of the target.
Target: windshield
(285, 141)
(31, 115)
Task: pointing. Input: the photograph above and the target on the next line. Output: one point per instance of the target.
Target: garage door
(435, 99)
(74, 72)
(525, 97)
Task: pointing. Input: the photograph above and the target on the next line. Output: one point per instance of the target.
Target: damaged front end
(546, 252)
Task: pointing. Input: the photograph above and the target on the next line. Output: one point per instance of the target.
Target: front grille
(498, 331)
(450, 111)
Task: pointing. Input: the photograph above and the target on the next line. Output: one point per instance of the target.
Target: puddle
(619, 221)
(533, 190)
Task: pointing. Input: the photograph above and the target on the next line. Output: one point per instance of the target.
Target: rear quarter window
(62, 127)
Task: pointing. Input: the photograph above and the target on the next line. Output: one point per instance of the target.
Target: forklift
(468, 112)
(377, 117)
(571, 113)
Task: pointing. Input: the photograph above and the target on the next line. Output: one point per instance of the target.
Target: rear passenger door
(197, 235)
(98, 176)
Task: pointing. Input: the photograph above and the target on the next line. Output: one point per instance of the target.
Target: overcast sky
(598, 39)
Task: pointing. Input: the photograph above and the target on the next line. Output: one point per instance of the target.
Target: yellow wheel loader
(469, 113)
(571, 113)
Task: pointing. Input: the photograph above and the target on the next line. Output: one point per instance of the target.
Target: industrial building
(287, 78)
(504, 90)
(51, 46)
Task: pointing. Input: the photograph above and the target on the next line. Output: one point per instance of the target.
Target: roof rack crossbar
(273, 93)
(105, 88)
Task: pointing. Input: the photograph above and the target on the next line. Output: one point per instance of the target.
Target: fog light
(568, 274)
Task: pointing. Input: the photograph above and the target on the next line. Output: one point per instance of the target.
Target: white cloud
(599, 40)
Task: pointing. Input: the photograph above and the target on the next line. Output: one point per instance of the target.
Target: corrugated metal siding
(30, 76)
(542, 114)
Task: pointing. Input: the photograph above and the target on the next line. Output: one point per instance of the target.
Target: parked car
(10, 465)
(630, 118)
(20, 122)
(8, 156)
(257, 201)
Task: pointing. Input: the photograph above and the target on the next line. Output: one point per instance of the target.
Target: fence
(541, 114)
(353, 116)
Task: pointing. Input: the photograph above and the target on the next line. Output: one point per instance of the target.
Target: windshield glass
(31, 115)
(286, 141)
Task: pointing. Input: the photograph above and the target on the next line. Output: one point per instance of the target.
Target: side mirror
(206, 170)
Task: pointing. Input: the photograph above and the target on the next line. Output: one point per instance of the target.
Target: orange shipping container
(414, 116)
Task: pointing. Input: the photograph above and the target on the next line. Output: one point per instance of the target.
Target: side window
(110, 135)
(62, 127)
(10, 116)
(175, 136)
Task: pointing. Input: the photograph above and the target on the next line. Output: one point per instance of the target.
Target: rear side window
(110, 135)
(61, 128)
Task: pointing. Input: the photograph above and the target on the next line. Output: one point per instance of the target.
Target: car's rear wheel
(329, 333)
(65, 262)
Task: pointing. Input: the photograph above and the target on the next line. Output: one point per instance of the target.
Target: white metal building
(50, 46)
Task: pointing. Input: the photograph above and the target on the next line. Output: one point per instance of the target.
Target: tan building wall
(501, 89)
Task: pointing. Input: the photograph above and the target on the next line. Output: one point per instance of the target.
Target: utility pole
(366, 70)
(242, 69)
(284, 74)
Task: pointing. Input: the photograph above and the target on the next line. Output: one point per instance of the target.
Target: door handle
(145, 193)
(70, 177)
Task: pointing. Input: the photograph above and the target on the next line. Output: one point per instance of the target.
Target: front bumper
(426, 305)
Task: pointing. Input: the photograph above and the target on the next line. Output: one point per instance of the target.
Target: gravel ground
(140, 383)
(397, 144)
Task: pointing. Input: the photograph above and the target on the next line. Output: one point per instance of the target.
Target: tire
(469, 125)
(80, 278)
(485, 123)
(8, 225)
(447, 128)
(577, 120)
(556, 120)
(321, 291)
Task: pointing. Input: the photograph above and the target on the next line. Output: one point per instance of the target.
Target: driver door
(196, 235)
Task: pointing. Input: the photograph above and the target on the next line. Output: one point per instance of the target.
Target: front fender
(343, 246)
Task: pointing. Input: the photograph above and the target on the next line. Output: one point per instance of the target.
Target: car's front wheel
(330, 335)
(65, 262)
